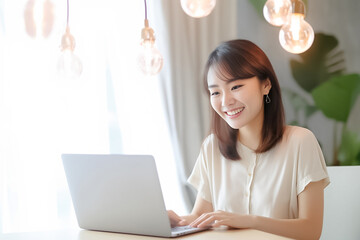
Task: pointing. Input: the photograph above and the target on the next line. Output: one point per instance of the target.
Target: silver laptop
(119, 193)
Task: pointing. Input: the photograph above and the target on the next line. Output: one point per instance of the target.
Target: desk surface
(93, 235)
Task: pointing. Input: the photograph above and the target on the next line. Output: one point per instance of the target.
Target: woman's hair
(242, 59)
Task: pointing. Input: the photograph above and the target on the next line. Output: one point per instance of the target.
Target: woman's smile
(234, 113)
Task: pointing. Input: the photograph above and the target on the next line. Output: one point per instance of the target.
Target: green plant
(335, 98)
(320, 72)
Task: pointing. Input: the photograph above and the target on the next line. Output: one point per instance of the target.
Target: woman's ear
(266, 86)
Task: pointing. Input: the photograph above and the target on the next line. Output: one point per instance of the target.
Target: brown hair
(242, 59)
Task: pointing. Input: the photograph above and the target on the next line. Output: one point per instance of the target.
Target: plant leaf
(336, 97)
(349, 150)
(321, 62)
(357, 162)
(258, 5)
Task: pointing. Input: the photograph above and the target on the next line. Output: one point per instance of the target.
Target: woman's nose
(228, 99)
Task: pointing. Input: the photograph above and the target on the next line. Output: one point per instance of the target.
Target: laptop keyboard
(182, 229)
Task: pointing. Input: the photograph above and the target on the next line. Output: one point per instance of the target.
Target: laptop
(119, 193)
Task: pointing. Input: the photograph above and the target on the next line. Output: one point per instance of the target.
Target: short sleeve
(199, 177)
(311, 163)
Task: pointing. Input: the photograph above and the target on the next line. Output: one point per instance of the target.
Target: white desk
(245, 234)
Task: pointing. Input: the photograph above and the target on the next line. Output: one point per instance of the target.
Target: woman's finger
(174, 218)
(206, 220)
(199, 219)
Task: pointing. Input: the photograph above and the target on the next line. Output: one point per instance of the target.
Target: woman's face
(240, 101)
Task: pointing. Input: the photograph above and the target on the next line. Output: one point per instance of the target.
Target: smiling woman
(253, 171)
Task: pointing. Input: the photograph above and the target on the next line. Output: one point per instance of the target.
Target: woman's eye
(236, 87)
(214, 93)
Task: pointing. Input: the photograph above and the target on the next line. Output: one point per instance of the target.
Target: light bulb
(198, 8)
(69, 65)
(39, 18)
(276, 12)
(149, 59)
(296, 36)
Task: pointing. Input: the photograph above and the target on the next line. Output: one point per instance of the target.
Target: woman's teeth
(231, 113)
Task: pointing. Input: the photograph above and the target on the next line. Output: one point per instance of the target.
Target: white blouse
(265, 184)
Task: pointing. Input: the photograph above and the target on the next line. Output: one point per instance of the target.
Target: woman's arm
(307, 226)
(309, 223)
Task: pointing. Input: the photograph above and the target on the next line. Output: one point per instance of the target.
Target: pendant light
(69, 65)
(296, 36)
(39, 18)
(276, 12)
(149, 59)
(198, 8)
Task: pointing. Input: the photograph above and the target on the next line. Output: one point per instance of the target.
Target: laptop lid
(117, 193)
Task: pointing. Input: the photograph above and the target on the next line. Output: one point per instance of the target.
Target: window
(111, 108)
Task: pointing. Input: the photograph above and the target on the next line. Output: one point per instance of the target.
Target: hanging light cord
(67, 13)
(145, 9)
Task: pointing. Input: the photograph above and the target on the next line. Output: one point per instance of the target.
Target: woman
(253, 171)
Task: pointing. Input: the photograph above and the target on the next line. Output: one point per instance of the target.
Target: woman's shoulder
(210, 145)
(210, 149)
(298, 134)
(209, 141)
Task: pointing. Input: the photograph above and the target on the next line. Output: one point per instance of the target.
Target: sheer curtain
(187, 44)
(111, 108)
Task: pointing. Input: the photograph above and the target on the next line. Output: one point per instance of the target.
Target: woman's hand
(176, 220)
(219, 218)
